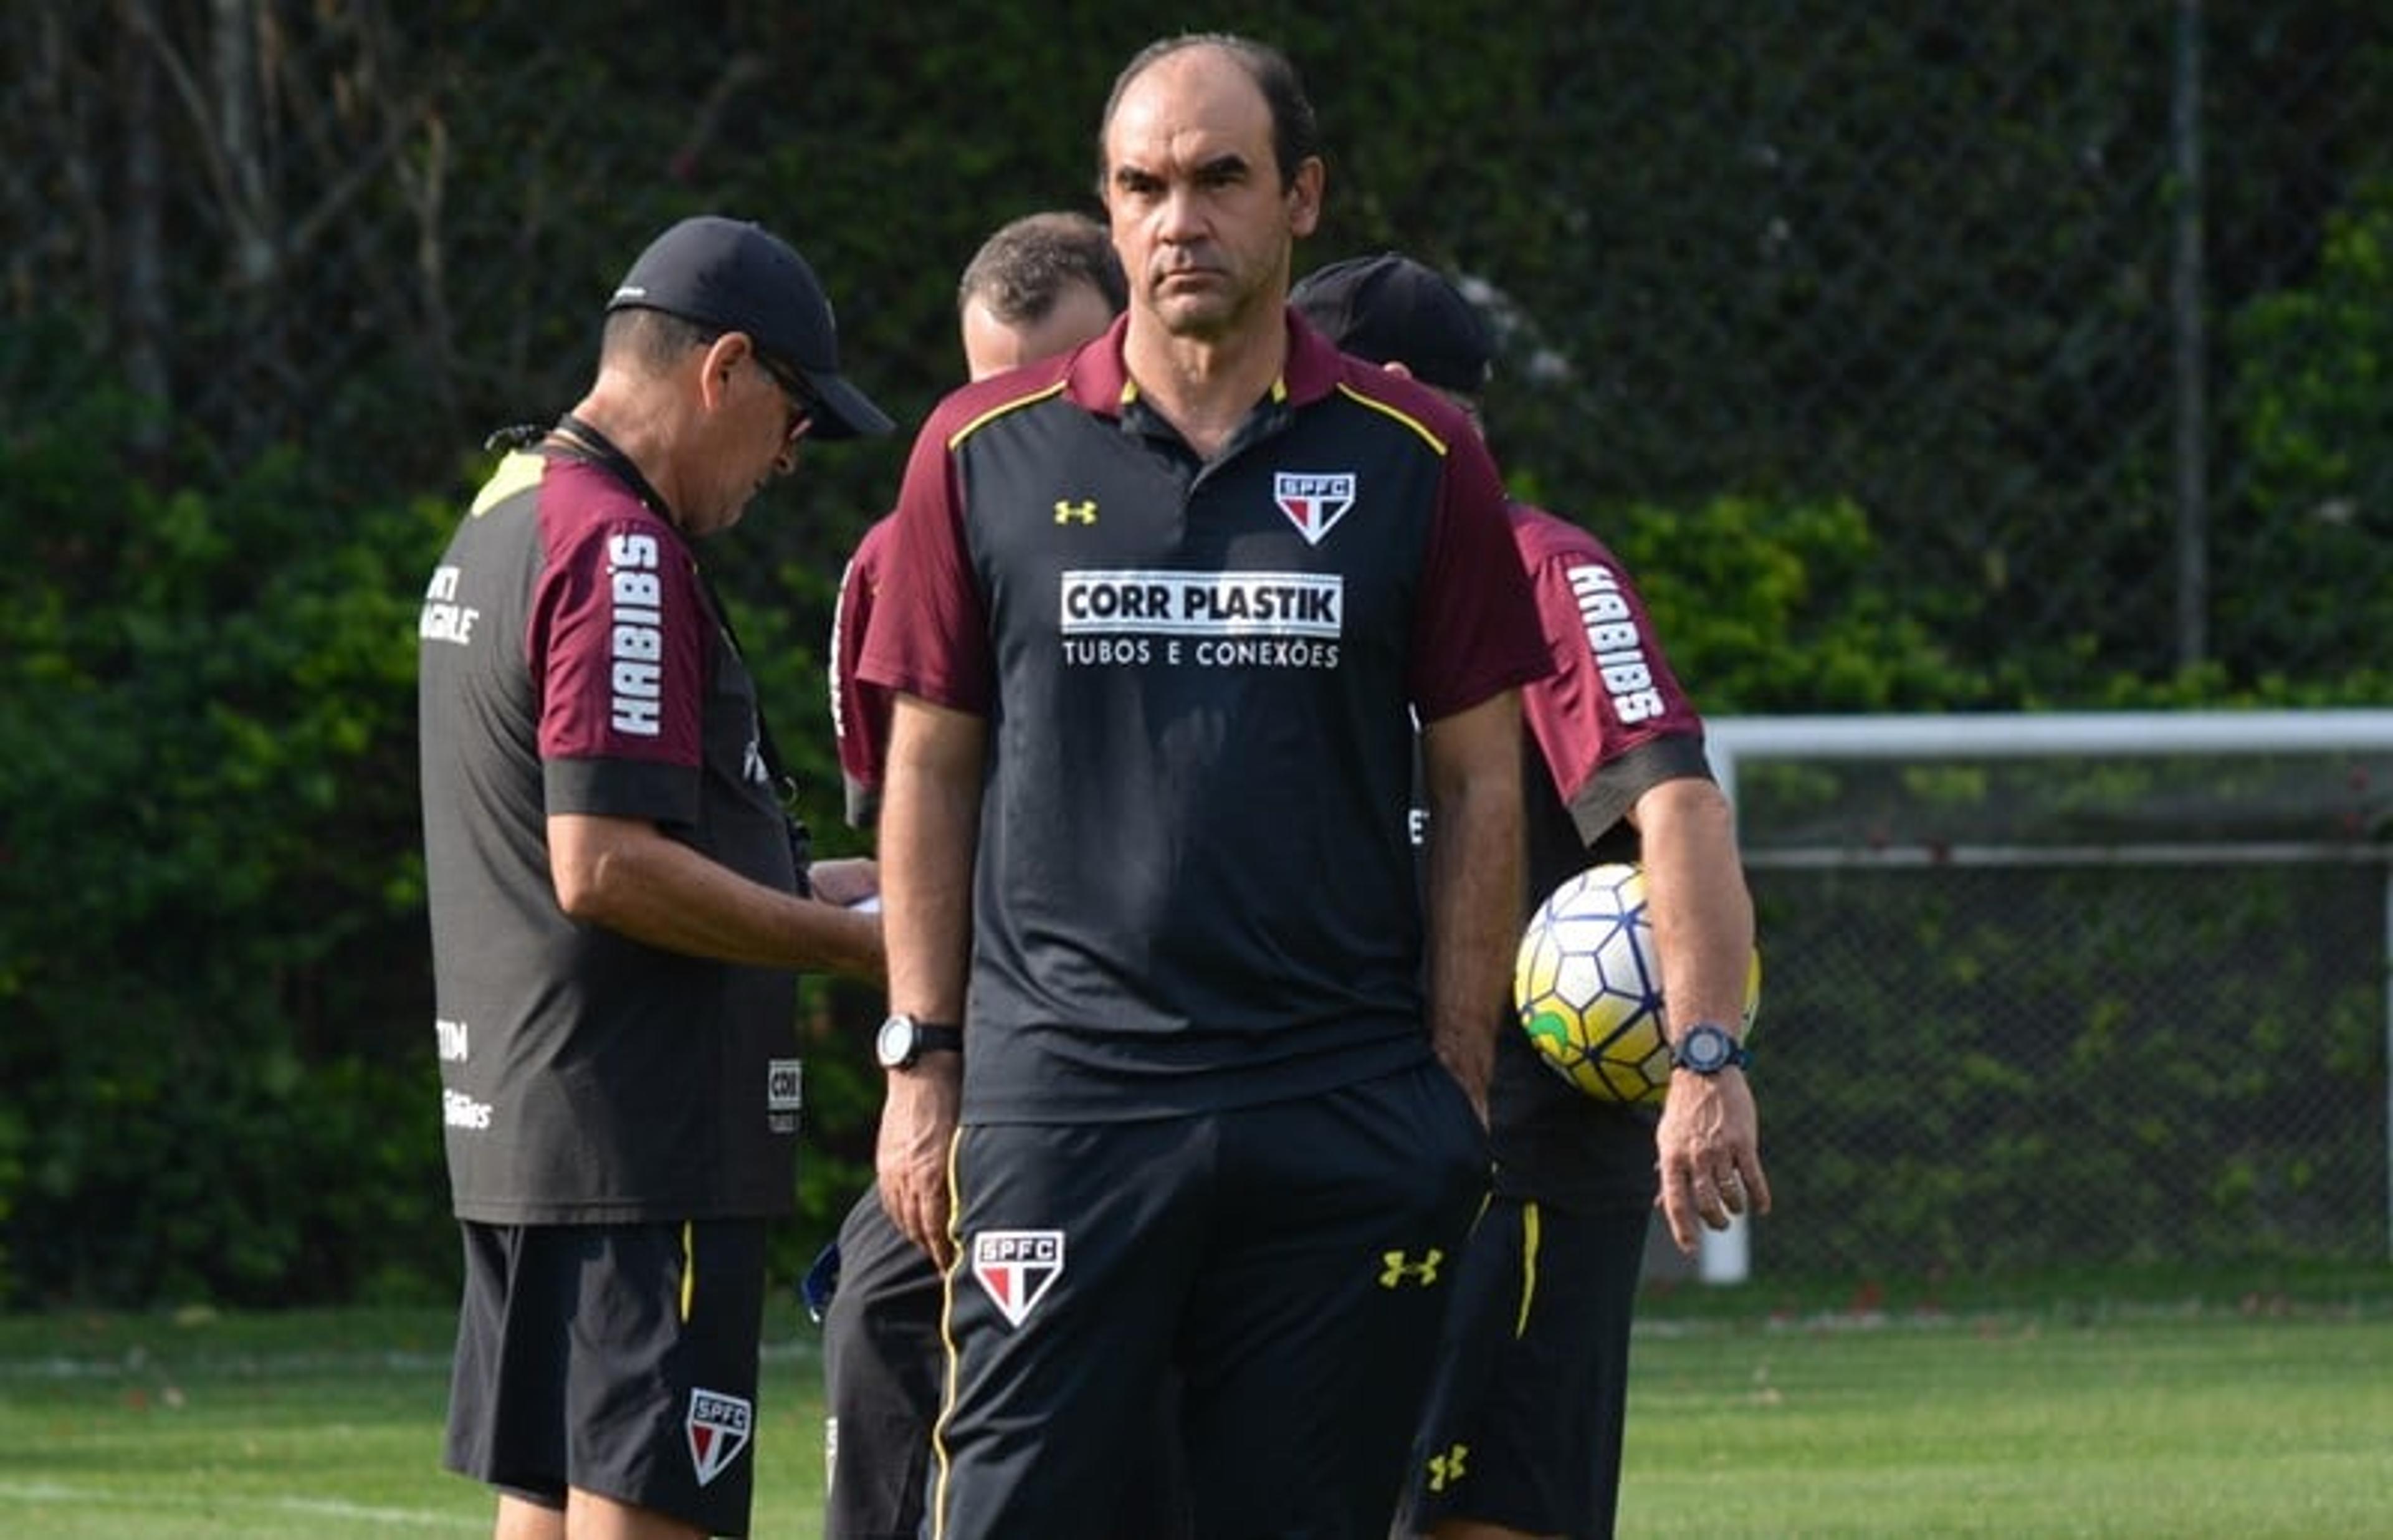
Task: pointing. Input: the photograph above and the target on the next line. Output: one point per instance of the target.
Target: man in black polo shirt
(1522, 1435)
(1160, 620)
(615, 909)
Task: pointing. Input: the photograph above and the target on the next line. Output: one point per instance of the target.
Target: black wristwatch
(903, 1039)
(1706, 1049)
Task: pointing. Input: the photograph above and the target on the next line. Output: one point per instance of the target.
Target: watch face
(895, 1046)
(1705, 1048)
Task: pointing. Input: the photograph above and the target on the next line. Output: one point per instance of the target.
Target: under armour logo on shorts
(1397, 1267)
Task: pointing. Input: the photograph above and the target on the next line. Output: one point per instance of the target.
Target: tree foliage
(2314, 412)
(212, 955)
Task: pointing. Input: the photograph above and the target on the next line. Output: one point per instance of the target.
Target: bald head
(1295, 131)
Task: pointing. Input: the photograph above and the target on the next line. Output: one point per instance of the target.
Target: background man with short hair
(1040, 286)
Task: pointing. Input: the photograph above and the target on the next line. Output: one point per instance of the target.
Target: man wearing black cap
(1521, 1437)
(615, 893)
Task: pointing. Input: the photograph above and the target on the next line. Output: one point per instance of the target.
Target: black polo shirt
(571, 662)
(1194, 885)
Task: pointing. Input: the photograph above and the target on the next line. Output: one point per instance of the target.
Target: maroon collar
(1100, 384)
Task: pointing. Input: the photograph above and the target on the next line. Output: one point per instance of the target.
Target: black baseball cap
(741, 276)
(1391, 308)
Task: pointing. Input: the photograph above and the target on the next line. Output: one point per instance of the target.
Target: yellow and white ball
(1589, 991)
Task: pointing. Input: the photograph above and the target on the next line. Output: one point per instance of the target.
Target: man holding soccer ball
(1522, 1434)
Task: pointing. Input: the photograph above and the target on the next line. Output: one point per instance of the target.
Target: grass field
(2250, 1417)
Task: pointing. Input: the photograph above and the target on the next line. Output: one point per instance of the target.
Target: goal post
(2095, 738)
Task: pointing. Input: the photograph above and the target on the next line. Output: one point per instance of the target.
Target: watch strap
(904, 1039)
(938, 1037)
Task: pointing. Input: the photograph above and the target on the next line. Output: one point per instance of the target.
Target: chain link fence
(2080, 303)
(2066, 299)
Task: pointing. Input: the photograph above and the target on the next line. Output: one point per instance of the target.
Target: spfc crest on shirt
(718, 1426)
(1017, 1267)
(1314, 499)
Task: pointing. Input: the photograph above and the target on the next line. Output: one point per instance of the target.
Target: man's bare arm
(625, 874)
(1472, 768)
(1709, 1146)
(930, 828)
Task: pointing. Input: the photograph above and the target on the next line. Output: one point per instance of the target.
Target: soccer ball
(1589, 991)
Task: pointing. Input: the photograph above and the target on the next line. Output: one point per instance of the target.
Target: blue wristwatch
(1706, 1049)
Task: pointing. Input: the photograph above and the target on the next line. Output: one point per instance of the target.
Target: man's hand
(917, 1124)
(1471, 773)
(1471, 1059)
(1709, 1154)
(847, 880)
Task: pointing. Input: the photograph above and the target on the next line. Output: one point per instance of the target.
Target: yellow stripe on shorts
(947, 1277)
(1530, 1227)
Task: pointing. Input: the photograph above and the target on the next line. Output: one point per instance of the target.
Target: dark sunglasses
(804, 405)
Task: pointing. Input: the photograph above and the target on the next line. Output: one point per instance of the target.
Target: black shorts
(619, 1360)
(882, 1369)
(1291, 1262)
(884, 1372)
(1525, 1416)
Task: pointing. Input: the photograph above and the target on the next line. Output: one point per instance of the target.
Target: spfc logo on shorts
(1017, 1267)
(1314, 499)
(718, 1426)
